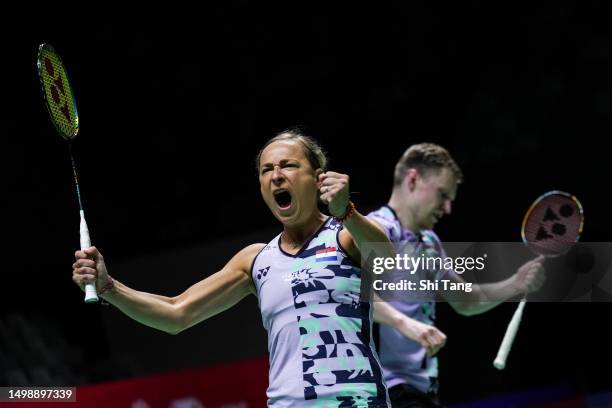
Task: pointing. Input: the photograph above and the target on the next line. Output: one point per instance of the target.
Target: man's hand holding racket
(530, 276)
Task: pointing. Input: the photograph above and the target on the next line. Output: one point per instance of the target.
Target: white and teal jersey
(319, 332)
(405, 361)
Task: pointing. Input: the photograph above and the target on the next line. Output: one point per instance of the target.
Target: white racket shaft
(91, 296)
(506, 344)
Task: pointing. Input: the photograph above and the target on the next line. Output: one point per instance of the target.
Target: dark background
(174, 108)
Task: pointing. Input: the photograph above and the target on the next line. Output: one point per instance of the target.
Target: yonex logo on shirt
(263, 272)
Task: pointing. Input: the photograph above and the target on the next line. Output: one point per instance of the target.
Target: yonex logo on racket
(553, 223)
(57, 87)
(57, 91)
(565, 211)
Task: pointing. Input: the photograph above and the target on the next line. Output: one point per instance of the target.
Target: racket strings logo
(57, 91)
(553, 223)
(565, 214)
(56, 86)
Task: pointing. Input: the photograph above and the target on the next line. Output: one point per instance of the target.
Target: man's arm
(528, 278)
(205, 299)
(430, 337)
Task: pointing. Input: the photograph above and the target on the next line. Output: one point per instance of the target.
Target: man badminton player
(306, 281)
(424, 186)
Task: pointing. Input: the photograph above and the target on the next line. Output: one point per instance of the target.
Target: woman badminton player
(307, 281)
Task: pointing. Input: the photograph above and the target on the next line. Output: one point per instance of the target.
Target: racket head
(553, 223)
(57, 92)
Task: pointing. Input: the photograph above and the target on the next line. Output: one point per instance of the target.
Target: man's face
(287, 181)
(432, 196)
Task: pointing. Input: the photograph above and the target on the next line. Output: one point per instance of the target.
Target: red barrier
(236, 385)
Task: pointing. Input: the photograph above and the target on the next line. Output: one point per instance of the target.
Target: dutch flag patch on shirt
(327, 255)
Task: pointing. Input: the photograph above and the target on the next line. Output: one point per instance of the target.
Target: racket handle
(91, 296)
(506, 344)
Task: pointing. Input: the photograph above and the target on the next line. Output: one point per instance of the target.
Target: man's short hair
(425, 157)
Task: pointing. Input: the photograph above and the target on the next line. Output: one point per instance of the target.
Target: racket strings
(58, 94)
(553, 224)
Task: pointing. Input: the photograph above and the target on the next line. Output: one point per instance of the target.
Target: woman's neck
(295, 236)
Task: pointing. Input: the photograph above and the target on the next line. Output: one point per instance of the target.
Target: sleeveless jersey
(319, 332)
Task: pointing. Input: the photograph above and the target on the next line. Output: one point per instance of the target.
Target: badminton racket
(551, 226)
(62, 108)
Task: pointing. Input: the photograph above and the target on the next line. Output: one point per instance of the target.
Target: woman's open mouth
(283, 199)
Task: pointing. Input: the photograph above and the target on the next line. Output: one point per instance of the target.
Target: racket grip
(506, 344)
(91, 296)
